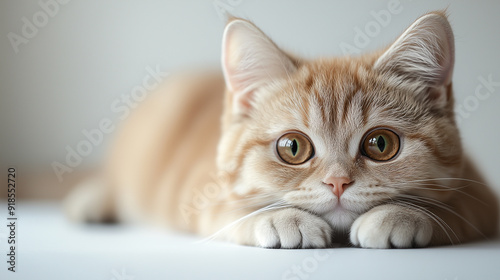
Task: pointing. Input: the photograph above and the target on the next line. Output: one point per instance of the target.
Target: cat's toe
(292, 228)
(391, 226)
(266, 234)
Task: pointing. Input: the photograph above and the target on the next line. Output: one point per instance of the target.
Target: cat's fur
(176, 162)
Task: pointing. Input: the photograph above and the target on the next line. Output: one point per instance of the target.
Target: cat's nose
(339, 184)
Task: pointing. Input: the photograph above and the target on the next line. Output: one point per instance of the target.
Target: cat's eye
(294, 148)
(380, 144)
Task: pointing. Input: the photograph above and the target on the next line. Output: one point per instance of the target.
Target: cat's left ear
(250, 60)
(423, 56)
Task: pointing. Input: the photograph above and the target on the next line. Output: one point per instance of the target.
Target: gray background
(91, 52)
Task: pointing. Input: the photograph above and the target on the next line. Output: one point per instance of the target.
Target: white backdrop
(65, 65)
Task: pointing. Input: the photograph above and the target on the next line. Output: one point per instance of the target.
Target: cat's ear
(250, 60)
(423, 56)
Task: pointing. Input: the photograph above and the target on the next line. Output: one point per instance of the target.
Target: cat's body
(296, 141)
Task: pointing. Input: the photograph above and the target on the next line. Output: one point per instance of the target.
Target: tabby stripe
(305, 113)
(346, 105)
(247, 147)
(446, 160)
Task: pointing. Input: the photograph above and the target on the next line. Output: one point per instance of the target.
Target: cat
(283, 152)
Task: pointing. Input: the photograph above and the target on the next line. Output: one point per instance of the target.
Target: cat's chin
(340, 218)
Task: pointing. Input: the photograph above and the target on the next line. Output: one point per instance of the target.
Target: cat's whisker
(249, 198)
(258, 204)
(424, 184)
(244, 199)
(447, 208)
(440, 222)
(426, 188)
(447, 178)
(426, 200)
(429, 184)
(274, 206)
(442, 188)
(431, 215)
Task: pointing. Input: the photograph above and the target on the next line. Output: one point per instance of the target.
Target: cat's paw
(391, 226)
(292, 228)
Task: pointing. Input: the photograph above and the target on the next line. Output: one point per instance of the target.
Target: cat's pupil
(381, 144)
(294, 147)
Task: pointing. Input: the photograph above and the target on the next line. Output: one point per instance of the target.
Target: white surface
(51, 248)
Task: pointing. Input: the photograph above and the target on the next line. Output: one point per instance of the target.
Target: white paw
(292, 228)
(391, 226)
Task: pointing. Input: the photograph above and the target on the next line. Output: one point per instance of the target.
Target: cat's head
(338, 136)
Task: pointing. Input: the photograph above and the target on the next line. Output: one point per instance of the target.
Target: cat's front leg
(286, 228)
(391, 226)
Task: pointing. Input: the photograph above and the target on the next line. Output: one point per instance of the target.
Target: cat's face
(338, 137)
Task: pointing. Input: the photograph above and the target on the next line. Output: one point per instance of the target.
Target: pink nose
(338, 184)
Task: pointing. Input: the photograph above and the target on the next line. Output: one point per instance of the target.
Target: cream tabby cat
(306, 150)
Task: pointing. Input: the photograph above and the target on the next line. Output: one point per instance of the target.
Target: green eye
(380, 144)
(294, 148)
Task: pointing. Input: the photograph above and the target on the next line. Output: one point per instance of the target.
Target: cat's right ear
(423, 56)
(250, 60)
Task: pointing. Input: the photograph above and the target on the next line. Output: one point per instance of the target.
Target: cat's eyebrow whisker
(440, 222)
(276, 205)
